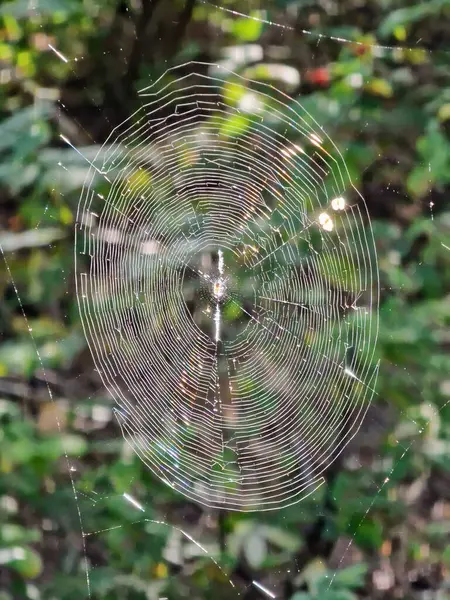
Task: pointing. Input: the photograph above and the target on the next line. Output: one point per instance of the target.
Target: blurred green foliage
(384, 98)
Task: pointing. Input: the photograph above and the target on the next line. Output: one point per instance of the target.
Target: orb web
(227, 289)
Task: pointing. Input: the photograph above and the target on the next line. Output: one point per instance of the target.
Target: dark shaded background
(383, 519)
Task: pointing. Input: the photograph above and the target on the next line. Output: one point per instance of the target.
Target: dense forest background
(376, 75)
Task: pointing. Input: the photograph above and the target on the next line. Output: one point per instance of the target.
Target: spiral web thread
(226, 287)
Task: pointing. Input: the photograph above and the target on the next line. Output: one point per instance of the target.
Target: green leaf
(11, 242)
(446, 556)
(52, 448)
(255, 549)
(411, 14)
(234, 91)
(367, 534)
(283, 539)
(235, 126)
(23, 560)
(18, 357)
(351, 577)
(18, 128)
(22, 9)
(247, 29)
(11, 533)
(232, 311)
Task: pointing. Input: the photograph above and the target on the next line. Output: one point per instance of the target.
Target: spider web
(216, 274)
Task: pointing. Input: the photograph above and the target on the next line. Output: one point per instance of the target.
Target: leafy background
(380, 526)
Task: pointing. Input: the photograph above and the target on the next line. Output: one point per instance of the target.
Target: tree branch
(137, 51)
(183, 22)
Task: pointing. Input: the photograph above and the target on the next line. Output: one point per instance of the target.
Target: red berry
(319, 77)
(360, 49)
